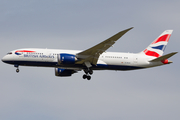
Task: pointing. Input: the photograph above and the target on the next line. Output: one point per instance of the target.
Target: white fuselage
(107, 60)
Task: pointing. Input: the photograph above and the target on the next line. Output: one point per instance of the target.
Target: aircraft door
(135, 60)
(49, 56)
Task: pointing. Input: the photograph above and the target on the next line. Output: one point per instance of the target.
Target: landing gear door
(135, 60)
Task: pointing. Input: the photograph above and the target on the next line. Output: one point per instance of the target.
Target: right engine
(63, 72)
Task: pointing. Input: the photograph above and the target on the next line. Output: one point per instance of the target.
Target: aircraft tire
(17, 70)
(90, 71)
(84, 76)
(88, 77)
(86, 71)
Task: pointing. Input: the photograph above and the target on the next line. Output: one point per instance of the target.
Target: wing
(92, 54)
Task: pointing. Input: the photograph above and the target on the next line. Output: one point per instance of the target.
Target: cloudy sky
(35, 93)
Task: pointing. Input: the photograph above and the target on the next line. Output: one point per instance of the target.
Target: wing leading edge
(92, 54)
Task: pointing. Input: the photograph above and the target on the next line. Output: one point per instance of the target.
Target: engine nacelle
(65, 58)
(63, 72)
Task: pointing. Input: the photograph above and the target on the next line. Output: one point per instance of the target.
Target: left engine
(63, 72)
(65, 58)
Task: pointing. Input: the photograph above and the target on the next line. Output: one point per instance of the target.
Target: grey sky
(35, 93)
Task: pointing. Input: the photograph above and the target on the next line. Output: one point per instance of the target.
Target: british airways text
(39, 56)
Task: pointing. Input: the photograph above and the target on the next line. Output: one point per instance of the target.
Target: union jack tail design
(156, 48)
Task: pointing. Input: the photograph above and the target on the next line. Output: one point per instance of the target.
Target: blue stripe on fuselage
(55, 64)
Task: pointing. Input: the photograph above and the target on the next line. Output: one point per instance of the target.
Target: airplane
(68, 62)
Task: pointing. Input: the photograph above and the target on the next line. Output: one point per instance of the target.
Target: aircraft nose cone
(7, 59)
(3, 59)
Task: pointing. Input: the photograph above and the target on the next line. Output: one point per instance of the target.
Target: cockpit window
(9, 53)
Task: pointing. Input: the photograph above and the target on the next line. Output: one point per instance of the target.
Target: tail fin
(156, 48)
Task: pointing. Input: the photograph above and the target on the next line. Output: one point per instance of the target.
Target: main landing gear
(17, 66)
(87, 74)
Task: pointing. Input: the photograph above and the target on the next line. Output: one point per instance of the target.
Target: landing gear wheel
(88, 77)
(90, 72)
(17, 70)
(84, 76)
(86, 71)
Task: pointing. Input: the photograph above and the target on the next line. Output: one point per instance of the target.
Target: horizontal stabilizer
(163, 57)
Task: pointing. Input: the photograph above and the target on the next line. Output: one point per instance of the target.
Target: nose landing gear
(17, 66)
